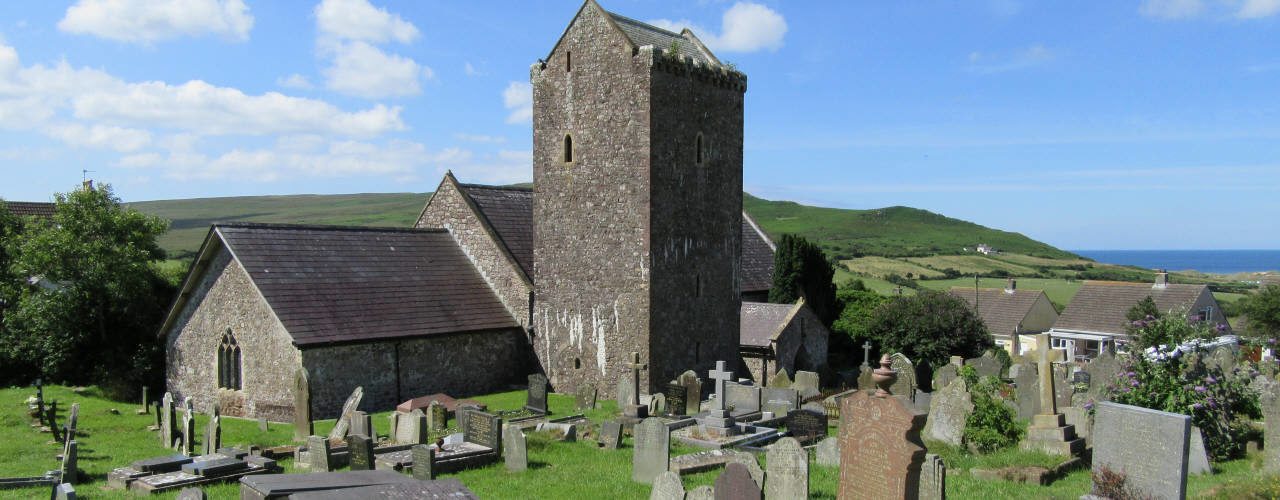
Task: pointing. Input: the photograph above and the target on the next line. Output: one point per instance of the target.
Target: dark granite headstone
(1148, 447)
(735, 483)
(157, 465)
(676, 398)
(216, 467)
(807, 426)
(484, 429)
(536, 399)
(693, 391)
(424, 458)
(361, 449)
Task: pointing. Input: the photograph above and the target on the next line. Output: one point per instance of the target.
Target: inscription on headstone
(424, 458)
(807, 426)
(905, 384)
(483, 429)
(361, 449)
(880, 448)
(652, 450)
(675, 395)
(1148, 447)
(318, 454)
(787, 470)
(536, 399)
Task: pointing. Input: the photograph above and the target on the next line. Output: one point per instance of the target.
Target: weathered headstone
(437, 417)
(301, 405)
(343, 424)
(188, 432)
(536, 397)
(1026, 389)
(415, 428)
(610, 435)
(1102, 372)
(1197, 456)
(146, 403)
(703, 492)
(263, 425)
(933, 478)
(359, 423)
(191, 494)
(675, 395)
(828, 452)
(1222, 358)
(667, 486)
(1269, 397)
(585, 398)
(318, 454)
(786, 470)
(633, 408)
(905, 386)
(515, 449)
(70, 462)
(986, 365)
(749, 461)
(807, 383)
(944, 375)
(780, 380)
(1148, 447)
(880, 448)
(624, 393)
(742, 398)
(779, 400)
(1063, 389)
(657, 404)
(948, 411)
(807, 426)
(166, 420)
(693, 391)
(361, 449)
(64, 491)
(213, 434)
(652, 450)
(424, 458)
(735, 483)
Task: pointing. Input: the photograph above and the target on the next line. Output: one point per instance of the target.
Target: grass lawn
(883, 266)
(557, 470)
(970, 264)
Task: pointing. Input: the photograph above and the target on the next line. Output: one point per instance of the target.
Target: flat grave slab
(701, 461)
(747, 435)
(271, 486)
(168, 463)
(216, 467)
(121, 477)
(437, 489)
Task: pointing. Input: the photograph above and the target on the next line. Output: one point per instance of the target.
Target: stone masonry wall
(591, 215)
(461, 364)
(448, 208)
(805, 328)
(226, 298)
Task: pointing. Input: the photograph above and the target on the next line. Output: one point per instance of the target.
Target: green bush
(993, 425)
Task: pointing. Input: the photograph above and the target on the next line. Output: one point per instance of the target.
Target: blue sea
(1206, 261)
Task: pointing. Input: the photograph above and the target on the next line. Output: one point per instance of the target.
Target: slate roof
(30, 208)
(1101, 306)
(509, 211)
(757, 257)
(760, 321)
(1001, 311)
(352, 284)
(642, 34)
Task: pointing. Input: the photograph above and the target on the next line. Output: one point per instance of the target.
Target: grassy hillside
(893, 231)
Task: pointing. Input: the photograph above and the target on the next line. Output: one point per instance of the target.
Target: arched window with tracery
(229, 362)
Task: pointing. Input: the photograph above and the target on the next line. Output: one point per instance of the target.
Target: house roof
(757, 257)
(641, 34)
(350, 284)
(30, 208)
(761, 322)
(509, 211)
(1001, 310)
(1101, 306)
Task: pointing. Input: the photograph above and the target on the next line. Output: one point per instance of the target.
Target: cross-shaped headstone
(866, 354)
(720, 375)
(1046, 356)
(635, 365)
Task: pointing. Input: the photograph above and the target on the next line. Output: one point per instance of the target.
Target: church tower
(637, 204)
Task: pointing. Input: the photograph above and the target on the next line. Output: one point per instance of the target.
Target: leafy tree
(929, 326)
(800, 269)
(851, 328)
(91, 314)
(1144, 310)
(1262, 312)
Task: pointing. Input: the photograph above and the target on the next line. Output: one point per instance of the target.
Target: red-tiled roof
(350, 284)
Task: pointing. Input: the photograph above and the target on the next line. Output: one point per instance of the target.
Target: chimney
(88, 185)
(1011, 287)
(1162, 278)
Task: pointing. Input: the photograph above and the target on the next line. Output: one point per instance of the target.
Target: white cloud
(101, 136)
(359, 20)
(1255, 9)
(470, 70)
(288, 159)
(488, 139)
(745, 27)
(362, 70)
(518, 99)
(294, 81)
(1030, 57)
(146, 21)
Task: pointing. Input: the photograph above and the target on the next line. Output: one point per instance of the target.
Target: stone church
(632, 239)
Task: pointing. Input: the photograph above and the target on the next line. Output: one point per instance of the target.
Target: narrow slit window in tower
(568, 149)
(699, 147)
(568, 61)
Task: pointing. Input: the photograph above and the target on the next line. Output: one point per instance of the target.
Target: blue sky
(1146, 124)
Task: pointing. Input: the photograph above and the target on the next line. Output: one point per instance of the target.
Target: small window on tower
(568, 149)
(699, 145)
(568, 61)
(577, 363)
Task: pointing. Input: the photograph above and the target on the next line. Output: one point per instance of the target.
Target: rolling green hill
(894, 231)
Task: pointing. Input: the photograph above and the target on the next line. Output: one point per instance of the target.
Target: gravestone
(807, 384)
(703, 492)
(944, 375)
(64, 491)
(986, 365)
(735, 483)
(749, 461)
(301, 405)
(633, 408)
(536, 397)
(1102, 372)
(880, 448)
(484, 429)
(73, 420)
(515, 449)
(828, 452)
(166, 420)
(624, 393)
(719, 420)
(933, 478)
(948, 411)
(343, 424)
(657, 404)
(359, 423)
(787, 470)
(693, 391)
(780, 380)
(1197, 456)
(807, 426)
(188, 431)
(213, 434)
(675, 395)
(585, 398)
(361, 449)
(1049, 431)
(159, 417)
(1063, 389)
(146, 403)
(191, 494)
(437, 417)
(318, 454)
(1148, 447)
(667, 487)
(415, 428)
(905, 386)
(610, 435)
(1269, 398)
(742, 398)
(424, 458)
(1026, 389)
(263, 426)
(70, 462)
(652, 450)
(780, 401)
